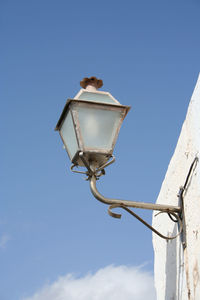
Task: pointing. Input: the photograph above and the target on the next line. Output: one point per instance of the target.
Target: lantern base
(91, 158)
(93, 168)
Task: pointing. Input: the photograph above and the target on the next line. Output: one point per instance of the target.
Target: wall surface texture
(177, 268)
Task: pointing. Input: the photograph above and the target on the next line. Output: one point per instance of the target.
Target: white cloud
(109, 283)
(4, 240)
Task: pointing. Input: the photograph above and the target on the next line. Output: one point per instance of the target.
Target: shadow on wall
(171, 269)
(174, 269)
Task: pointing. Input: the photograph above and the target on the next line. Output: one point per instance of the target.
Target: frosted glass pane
(98, 127)
(96, 97)
(69, 136)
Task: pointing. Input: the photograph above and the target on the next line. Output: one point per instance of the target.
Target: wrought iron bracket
(173, 211)
(176, 216)
(176, 213)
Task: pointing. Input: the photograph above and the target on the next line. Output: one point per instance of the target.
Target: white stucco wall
(177, 270)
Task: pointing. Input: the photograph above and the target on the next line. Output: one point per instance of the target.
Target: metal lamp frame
(101, 156)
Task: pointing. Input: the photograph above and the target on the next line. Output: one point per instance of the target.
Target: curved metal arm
(152, 206)
(177, 219)
(175, 211)
(115, 203)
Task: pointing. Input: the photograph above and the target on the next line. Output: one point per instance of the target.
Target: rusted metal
(97, 83)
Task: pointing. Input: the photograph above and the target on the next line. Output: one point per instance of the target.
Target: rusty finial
(93, 81)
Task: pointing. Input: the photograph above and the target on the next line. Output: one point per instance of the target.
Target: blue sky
(148, 54)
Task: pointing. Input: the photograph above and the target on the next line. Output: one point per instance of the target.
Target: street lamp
(89, 126)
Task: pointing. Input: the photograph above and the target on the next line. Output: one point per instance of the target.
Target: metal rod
(81, 155)
(144, 205)
(144, 222)
(107, 164)
(193, 165)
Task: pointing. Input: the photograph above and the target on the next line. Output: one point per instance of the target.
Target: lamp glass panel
(98, 127)
(68, 134)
